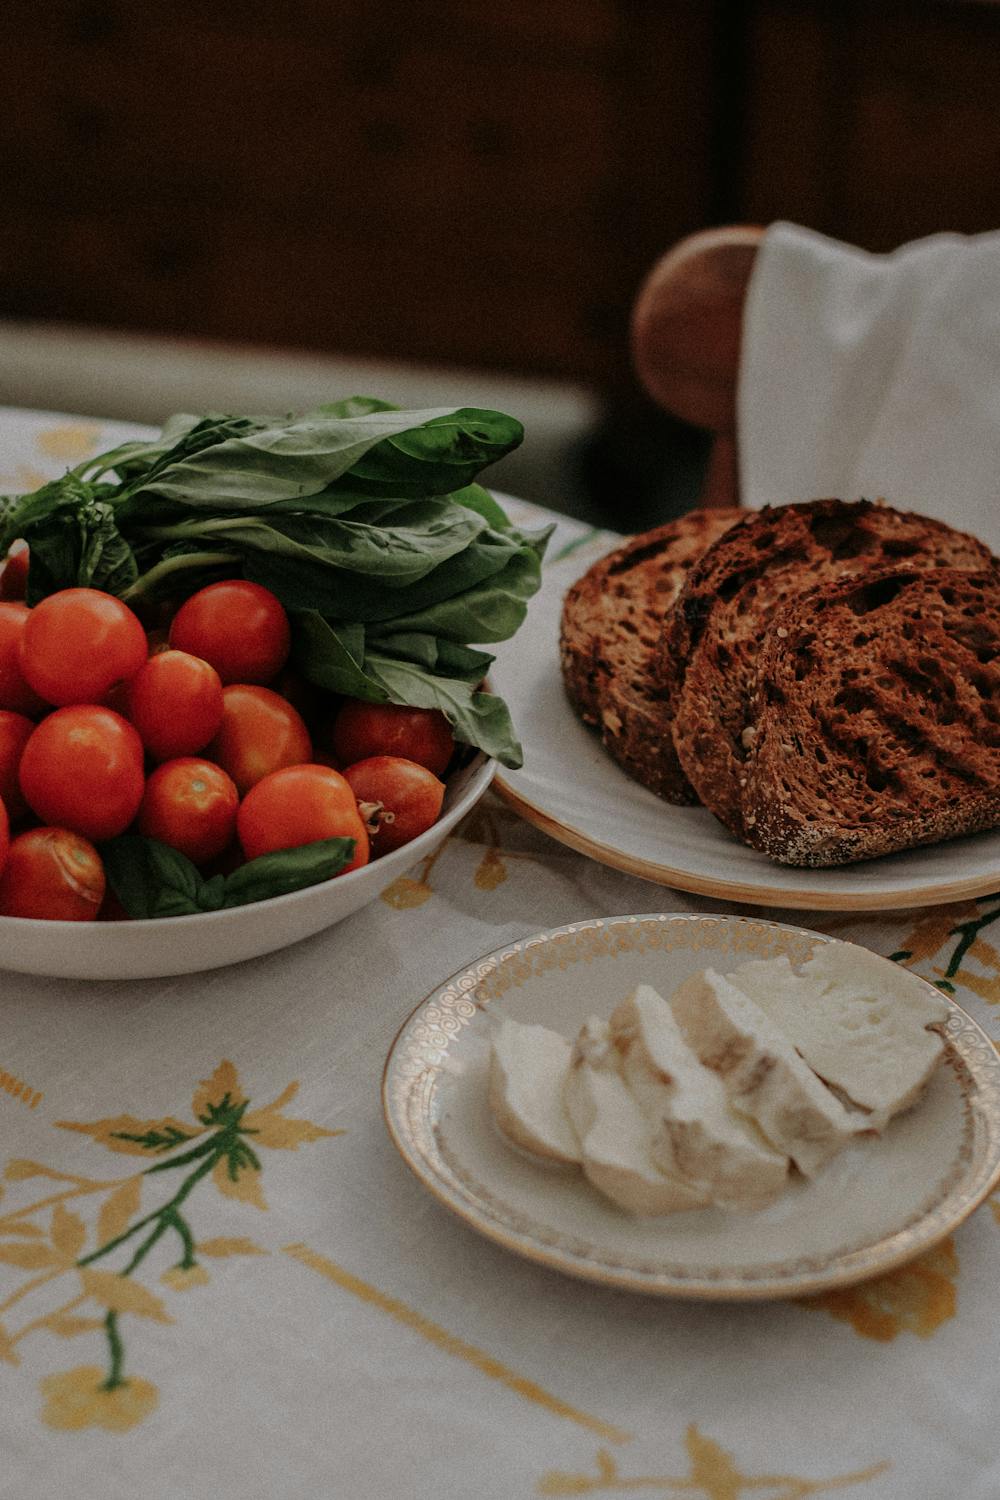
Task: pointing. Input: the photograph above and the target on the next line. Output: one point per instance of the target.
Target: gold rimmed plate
(883, 1201)
(571, 788)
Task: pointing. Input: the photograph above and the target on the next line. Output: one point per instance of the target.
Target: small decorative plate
(880, 1203)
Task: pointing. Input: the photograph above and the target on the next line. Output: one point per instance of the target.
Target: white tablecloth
(306, 1322)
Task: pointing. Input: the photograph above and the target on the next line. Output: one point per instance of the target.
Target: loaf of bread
(873, 724)
(610, 641)
(713, 634)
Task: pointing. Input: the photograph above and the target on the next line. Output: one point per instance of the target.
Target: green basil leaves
(364, 520)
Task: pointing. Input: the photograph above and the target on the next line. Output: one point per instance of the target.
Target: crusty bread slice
(875, 720)
(609, 646)
(765, 560)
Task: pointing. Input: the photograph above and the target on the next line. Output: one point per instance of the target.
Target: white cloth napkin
(875, 375)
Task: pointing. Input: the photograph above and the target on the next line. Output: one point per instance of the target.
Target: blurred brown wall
(467, 181)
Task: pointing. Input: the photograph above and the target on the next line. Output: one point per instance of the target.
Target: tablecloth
(217, 1278)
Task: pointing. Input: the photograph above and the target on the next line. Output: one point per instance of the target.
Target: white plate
(878, 1204)
(183, 945)
(570, 787)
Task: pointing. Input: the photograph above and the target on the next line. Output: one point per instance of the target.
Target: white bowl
(183, 945)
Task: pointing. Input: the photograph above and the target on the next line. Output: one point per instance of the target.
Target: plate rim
(716, 1289)
(792, 899)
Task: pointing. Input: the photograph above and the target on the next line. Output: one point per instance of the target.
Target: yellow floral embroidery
(917, 1298)
(69, 440)
(82, 1398)
(964, 923)
(713, 1474)
(220, 1142)
(407, 892)
(183, 1278)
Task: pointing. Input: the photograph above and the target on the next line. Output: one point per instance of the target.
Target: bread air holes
(839, 535)
(872, 596)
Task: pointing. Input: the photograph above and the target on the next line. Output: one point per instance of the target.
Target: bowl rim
(480, 772)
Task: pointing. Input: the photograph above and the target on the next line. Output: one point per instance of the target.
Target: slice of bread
(731, 596)
(874, 724)
(610, 642)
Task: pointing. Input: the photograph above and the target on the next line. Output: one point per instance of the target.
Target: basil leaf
(476, 718)
(435, 654)
(152, 880)
(290, 460)
(351, 406)
(444, 453)
(476, 497)
(331, 654)
(287, 870)
(491, 610)
(79, 547)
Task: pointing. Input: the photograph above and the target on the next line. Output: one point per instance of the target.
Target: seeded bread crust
(875, 719)
(765, 561)
(610, 645)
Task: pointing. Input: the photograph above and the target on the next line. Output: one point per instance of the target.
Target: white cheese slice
(528, 1068)
(697, 1136)
(858, 1020)
(764, 1076)
(614, 1140)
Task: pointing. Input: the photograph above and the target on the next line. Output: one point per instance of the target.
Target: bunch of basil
(364, 520)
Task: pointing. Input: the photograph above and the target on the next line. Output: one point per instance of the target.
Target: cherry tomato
(14, 572)
(54, 875)
(398, 798)
(239, 627)
(191, 805)
(4, 836)
(260, 733)
(15, 693)
(82, 769)
(15, 731)
(420, 734)
(175, 702)
(299, 805)
(78, 643)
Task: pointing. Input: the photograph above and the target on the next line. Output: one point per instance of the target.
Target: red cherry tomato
(239, 627)
(14, 572)
(191, 805)
(398, 798)
(300, 805)
(4, 836)
(82, 769)
(78, 643)
(175, 702)
(54, 875)
(260, 733)
(15, 693)
(420, 734)
(15, 731)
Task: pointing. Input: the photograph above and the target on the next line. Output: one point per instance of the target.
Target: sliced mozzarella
(696, 1135)
(528, 1067)
(615, 1140)
(857, 1019)
(764, 1076)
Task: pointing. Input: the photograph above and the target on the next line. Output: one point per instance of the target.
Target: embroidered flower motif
(221, 1144)
(183, 1278)
(82, 1398)
(917, 1298)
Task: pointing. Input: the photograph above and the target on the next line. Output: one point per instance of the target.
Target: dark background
(473, 183)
